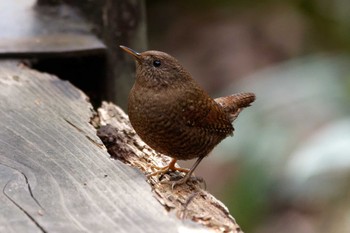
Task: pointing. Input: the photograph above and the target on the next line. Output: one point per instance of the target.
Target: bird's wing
(203, 112)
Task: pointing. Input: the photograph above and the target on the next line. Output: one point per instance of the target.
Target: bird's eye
(156, 63)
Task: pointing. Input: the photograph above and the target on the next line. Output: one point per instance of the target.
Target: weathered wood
(29, 30)
(55, 174)
(60, 28)
(188, 201)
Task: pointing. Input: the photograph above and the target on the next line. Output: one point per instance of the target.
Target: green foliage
(247, 198)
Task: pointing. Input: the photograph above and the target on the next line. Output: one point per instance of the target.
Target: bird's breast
(152, 112)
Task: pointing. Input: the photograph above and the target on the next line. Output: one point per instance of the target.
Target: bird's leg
(171, 166)
(188, 175)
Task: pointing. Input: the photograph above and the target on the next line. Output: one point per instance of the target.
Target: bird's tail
(234, 104)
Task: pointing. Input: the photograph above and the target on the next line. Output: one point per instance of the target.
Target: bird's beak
(132, 52)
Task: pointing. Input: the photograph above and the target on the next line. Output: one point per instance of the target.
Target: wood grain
(55, 173)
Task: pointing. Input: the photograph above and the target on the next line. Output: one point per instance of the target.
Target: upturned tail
(234, 104)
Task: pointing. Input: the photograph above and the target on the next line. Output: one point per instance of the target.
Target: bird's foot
(166, 169)
(163, 170)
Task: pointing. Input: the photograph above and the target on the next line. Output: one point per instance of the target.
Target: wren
(174, 115)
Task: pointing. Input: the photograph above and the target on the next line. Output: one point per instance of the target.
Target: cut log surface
(55, 173)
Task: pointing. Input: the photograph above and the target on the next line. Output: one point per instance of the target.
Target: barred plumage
(173, 114)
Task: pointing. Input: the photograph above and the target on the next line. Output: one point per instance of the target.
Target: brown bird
(174, 115)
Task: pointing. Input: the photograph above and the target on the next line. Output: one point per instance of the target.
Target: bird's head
(155, 68)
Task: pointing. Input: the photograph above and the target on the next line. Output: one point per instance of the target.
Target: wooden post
(116, 22)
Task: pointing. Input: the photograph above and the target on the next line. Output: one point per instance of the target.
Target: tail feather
(234, 104)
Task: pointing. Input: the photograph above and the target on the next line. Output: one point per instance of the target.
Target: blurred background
(287, 168)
